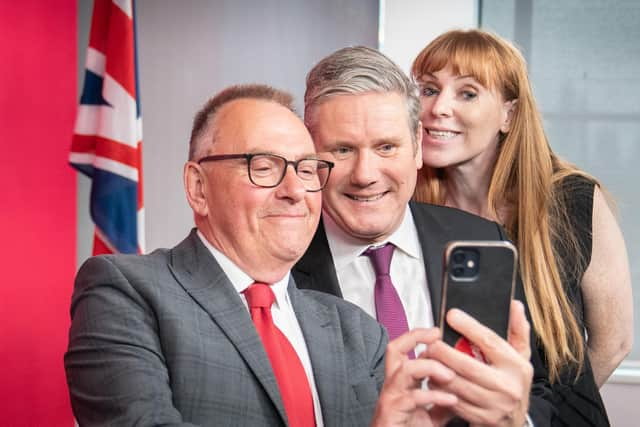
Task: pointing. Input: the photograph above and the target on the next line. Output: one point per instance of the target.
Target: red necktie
(289, 372)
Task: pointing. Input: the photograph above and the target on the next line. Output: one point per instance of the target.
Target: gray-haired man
(363, 114)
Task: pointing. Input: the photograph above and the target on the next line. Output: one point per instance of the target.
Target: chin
(436, 162)
(292, 251)
(367, 233)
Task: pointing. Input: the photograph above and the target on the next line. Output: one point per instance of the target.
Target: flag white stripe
(96, 61)
(103, 121)
(125, 6)
(141, 239)
(116, 168)
(82, 158)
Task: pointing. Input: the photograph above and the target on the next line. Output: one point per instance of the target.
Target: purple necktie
(389, 308)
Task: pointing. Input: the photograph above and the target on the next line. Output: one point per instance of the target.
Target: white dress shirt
(357, 278)
(282, 312)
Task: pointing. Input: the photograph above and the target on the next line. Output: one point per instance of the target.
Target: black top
(578, 402)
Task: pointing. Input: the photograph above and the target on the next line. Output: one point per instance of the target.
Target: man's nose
(291, 186)
(365, 169)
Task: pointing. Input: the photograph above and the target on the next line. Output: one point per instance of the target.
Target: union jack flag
(107, 140)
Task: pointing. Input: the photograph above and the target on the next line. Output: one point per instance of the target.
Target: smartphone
(478, 278)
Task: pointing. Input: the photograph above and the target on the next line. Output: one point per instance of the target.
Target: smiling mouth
(442, 134)
(371, 198)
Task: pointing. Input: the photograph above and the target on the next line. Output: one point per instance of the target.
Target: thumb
(519, 329)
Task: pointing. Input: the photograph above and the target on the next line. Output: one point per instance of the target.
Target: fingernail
(457, 314)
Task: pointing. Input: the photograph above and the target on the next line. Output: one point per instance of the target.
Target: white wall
(407, 26)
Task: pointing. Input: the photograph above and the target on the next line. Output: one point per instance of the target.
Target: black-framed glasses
(268, 170)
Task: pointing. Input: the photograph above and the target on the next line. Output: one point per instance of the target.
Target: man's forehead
(383, 114)
(259, 125)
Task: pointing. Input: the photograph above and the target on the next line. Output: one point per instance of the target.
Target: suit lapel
(326, 351)
(316, 270)
(431, 235)
(197, 271)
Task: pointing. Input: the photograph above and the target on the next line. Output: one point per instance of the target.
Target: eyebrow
(302, 156)
(457, 77)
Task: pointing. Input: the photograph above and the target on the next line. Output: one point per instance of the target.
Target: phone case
(485, 295)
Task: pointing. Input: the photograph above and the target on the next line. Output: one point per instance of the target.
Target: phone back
(478, 278)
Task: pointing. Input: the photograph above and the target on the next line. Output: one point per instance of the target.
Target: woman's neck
(468, 190)
(467, 187)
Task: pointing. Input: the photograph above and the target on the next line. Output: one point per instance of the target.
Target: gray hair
(202, 128)
(356, 70)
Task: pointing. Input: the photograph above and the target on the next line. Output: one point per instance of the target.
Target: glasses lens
(265, 170)
(314, 173)
(308, 171)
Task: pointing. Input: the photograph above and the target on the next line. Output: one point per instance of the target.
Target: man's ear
(509, 111)
(195, 185)
(418, 146)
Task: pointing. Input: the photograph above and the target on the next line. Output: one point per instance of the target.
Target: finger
(473, 393)
(398, 348)
(475, 404)
(467, 367)
(475, 415)
(400, 409)
(409, 340)
(494, 348)
(519, 330)
(420, 369)
(411, 373)
(422, 397)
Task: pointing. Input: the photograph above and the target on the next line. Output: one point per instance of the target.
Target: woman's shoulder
(576, 184)
(575, 192)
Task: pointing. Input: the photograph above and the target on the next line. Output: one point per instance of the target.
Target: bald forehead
(248, 123)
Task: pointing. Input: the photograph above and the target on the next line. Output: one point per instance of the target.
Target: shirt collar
(345, 248)
(241, 280)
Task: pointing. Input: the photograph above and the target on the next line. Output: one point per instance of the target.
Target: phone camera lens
(458, 257)
(458, 272)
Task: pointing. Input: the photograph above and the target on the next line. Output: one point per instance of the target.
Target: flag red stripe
(120, 45)
(100, 25)
(107, 148)
(99, 247)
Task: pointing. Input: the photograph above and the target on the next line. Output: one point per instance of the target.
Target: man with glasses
(214, 332)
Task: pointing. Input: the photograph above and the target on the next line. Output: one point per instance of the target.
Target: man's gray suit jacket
(436, 226)
(164, 339)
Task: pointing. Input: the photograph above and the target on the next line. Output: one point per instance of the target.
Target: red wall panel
(38, 63)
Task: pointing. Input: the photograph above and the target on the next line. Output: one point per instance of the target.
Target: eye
(307, 169)
(468, 95)
(342, 152)
(263, 166)
(387, 149)
(428, 91)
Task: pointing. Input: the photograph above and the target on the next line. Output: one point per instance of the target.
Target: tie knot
(259, 295)
(381, 258)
